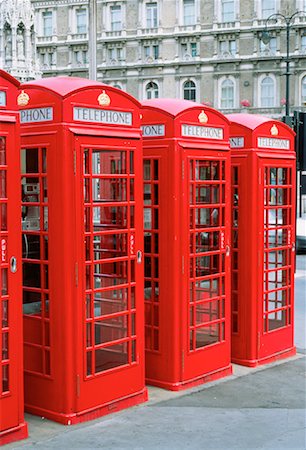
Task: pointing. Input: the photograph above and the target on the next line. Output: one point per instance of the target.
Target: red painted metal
(187, 236)
(12, 425)
(263, 193)
(82, 244)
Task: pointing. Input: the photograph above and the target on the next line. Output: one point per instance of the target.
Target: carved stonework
(17, 39)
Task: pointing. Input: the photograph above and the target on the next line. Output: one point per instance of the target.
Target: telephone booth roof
(176, 113)
(8, 91)
(259, 131)
(65, 93)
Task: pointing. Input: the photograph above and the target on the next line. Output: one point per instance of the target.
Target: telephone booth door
(207, 264)
(112, 283)
(12, 425)
(277, 193)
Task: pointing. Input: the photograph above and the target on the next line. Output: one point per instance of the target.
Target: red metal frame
(83, 274)
(187, 226)
(12, 425)
(263, 230)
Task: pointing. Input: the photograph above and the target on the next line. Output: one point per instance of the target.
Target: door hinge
(183, 360)
(78, 387)
(258, 341)
(76, 274)
(183, 170)
(183, 265)
(74, 162)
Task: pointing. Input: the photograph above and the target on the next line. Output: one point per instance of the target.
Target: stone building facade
(205, 50)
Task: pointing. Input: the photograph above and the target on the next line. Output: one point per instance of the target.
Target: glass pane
(110, 357)
(110, 274)
(110, 246)
(110, 302)
(108, 162)
(109, 190)
(2, 151)
(207, 335)
(111, 329)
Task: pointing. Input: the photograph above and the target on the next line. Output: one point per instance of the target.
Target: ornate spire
(17, 39)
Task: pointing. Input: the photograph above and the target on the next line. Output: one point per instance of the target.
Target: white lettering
(153, 130)
(236, 142)
(36, 115)
(102, 116)
(202, 132)
(265, 142)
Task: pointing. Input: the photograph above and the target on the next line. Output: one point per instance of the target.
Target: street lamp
(92, 40)
(266, 39)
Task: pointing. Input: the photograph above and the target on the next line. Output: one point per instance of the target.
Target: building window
(151, 52)
(81, 21)
(228, 10)
(116, 18)
(227, 48)
(47, 23)
(269, 48)
(151, 90)
(304, 91)
(267, 95)
(189, 49)
(47, 59)
(115, 54)
(227, 94)
(189, 12)
(189, 89)
(151, 15)
(303, 44)
(80, 57)
(268, 7)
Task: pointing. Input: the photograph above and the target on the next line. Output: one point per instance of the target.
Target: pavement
(255, 408)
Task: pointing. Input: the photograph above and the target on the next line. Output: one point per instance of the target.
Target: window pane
(227, 94)
(267, 92)
(228, 12)
(116, 24)
(189, 12)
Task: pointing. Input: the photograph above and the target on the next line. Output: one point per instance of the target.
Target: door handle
(13, 264)
(139, 256)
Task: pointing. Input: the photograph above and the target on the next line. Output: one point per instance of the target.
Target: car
(301, 234)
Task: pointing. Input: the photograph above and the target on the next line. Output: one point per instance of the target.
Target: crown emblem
(203, 117)
(104, 99)
(274, 130)
(23, 99)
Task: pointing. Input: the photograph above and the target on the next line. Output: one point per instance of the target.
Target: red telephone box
(12, 425)
(187, 235)
(82, 249)
(263, 192)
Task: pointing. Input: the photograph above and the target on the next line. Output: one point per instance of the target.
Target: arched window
(304, 91)
(189, 89)
(151, 90)
(227, 94)
(267, 92)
